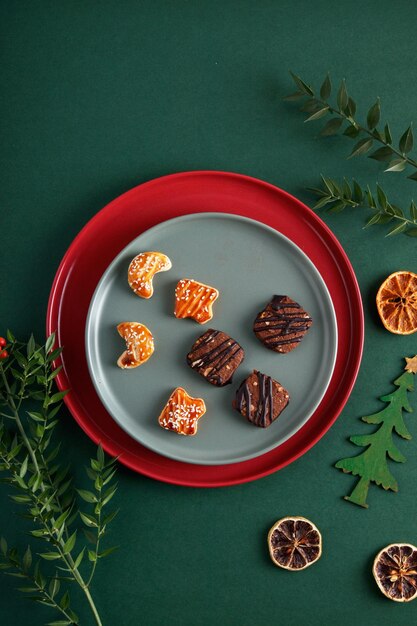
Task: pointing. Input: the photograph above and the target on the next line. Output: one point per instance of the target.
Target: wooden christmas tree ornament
(372, 464)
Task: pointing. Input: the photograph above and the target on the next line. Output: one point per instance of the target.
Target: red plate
(164, 198)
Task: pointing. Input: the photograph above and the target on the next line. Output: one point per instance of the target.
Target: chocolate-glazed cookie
(282, 324)
(216, 356)
(261, 399)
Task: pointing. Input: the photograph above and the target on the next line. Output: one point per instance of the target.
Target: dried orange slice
(182, 412)
(396, 302)
(195, 300)
(395, 571)
(139, 344)
(143, 268)
(294, 543)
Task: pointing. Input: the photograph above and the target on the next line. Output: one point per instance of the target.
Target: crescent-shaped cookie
(143, 268)
(139, 344)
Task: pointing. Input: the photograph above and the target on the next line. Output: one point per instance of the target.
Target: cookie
(143, 268)
(282, 324)
(139, 344)
(195, 300)
(216, 356)
(182, 412)
(261, 399)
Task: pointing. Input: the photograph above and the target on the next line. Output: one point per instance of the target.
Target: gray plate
(248, 263)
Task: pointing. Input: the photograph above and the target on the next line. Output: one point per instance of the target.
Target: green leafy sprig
(317, 105)
(29, 462)
(338, 196)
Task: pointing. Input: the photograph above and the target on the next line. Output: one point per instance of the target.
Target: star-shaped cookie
(182, 412)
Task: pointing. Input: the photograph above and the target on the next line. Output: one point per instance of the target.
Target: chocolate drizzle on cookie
(216, 356)
(260, 399)
(282, 324)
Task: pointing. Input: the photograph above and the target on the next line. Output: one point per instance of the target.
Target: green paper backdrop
(99, 96)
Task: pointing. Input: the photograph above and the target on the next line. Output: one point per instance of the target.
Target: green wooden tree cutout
(372, 464)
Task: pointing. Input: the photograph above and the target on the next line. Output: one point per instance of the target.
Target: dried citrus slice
(294, 543)
(396, 302)
(139, 344)
(395, 571)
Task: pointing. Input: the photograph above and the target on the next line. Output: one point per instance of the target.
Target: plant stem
(361, 128)
(12, 406)
(67, 558)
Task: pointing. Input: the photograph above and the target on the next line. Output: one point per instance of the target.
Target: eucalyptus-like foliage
(65, 535)
(341, 111)
(339, 196)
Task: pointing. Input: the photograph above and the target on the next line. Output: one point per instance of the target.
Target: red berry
(3, 342)
(4, 354)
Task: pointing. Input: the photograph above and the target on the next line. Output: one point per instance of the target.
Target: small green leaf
(351, 131)
(413, 210)
(110, 517)
(342, 96)
(88, 520)
(60, 622)
(107, 552)
(89, 535)
(302, 86)
(31, 346)
(374, 219)
(311, 105)
(92, 556)
(79, 559)
(65, 601)
(3, 546)
(27, 559)
(387, 133)
(100, 456)
(413, 176)
(24, 467)
(318, 114)
(397, 165)
(397, 230)
(88, 496)
(382, 154)
(351, 107)
(357, 192)
(10, 336)
(382, 198)
(57, 397)
(337, 208)
(70, 543)
(326, 88)
(406, 141)
(331, 127)
(54, 587)
(411, 232)
(361, 147)
(50, 556)
(50, 342)
(294, 96)
(108, 495)
(109, 477)
(374, 115)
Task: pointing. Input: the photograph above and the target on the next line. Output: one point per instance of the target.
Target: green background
(99, 96)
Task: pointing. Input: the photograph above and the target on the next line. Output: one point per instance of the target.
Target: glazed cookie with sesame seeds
(143, 268)
(195, 300)
(139, 344)
(182, 412)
